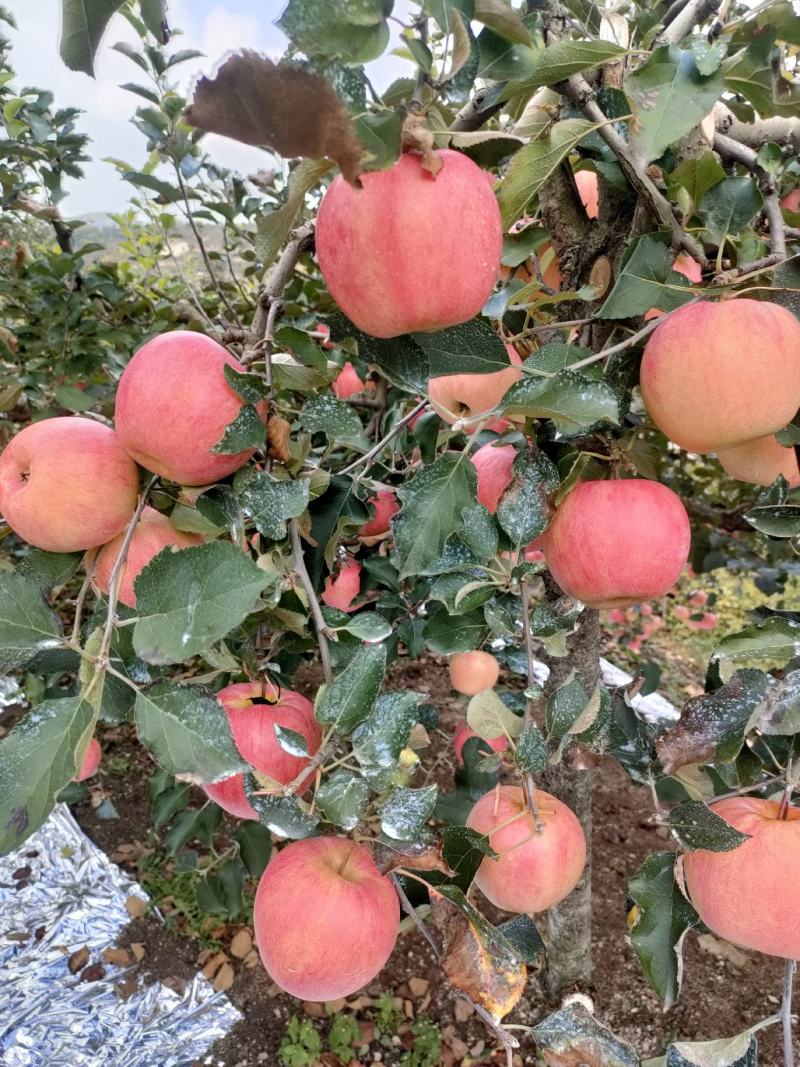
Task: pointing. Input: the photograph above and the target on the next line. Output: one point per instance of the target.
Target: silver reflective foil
(74, 896)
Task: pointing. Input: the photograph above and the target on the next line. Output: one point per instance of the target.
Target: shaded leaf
(523, 509)
(489, 717)
(270, 503)
(27, 625)
(646, 281)
(465, 849)
(730, 205)
(779, 711)
(255, 846)
(572, 401)
(245, 432)
(351, 696)
(338, 420)
(694, 825)
(572, 1037)
(281, 815)
(380, 738)
(354, 30)
(273, 227)
(531, 752)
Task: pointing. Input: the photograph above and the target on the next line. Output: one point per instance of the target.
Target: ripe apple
(67, 484)
(464, 732)
(153, 532)
(472, 672)
(347, 382)
(760, 462)
(534, 870)
(252, 722)
(493, 462)
(91, 761)
(385, 248)
(385, 504)
(325, 918)
(325, 330)
(460, 396)
(340, 591)
(689, 268)
(618, 542)
(749, 895)
(173, 405)
(715, 375)
(791, 202)
(586, 180)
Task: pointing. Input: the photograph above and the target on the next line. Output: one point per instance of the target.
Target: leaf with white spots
(27, 625)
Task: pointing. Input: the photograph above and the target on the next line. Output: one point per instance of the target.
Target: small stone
(224, 979)
(463, 1010)
(135, 906)
(138, 950)
(118, 957)
(418, 986)
(242, 944)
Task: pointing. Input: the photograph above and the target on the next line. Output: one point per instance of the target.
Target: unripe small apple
(750, 895)
(326, 919)
(153, 532)
(760, 462)
(173, 406)
(616, 543)
(464, 732)
(586, 180)
(385, 248)
(715, 375)
(462, 396)
(340, 591)
(472, 672)
(67, 484)
(252, 724)
(493, 462)
(385, 505)
(534, 870)
(91, 761)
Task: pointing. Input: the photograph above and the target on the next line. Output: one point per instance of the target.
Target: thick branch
(747, 157)
(783, 131)
(473, 114)
(691, 14)
(300, 241)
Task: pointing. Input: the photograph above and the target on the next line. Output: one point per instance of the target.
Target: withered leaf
(289, 110)
(278, 431)
(573, 1038)
(78, 960)
(416, 856)
(476, 958)
(418, 137)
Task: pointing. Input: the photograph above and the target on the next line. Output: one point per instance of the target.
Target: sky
(214, 28)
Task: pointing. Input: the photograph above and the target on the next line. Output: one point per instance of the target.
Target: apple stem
(786, 1013)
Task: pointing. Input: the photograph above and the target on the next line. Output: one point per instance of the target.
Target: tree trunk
(569, 924)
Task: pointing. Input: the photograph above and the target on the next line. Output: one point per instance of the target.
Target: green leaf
(187, 731)
(730, 205)
(351, 696)
(72, 398)
(697, 175)
(564, 58)
(479, 532)
(777, 520)
(167, 194)
(749, 74)
(47, 570)
(83, 23)
(669, 97)
(445, 634)
(380, 134)
(472, 347)
(189, 599)
(27, 625)
(384, 733)
(572, 1035)
(462, 591)
(647, 281)
(406, 811)
(779, 711)
(335, 418)
(273, 227)
(489, 717)
(531, 752)
(342, 799)
(281, 815)
(659, 923)
(39, 756)
(291, 741)
(533, 164)
(249, 387)
(707, 55)
(369, 626)
(301, 345)
(432, 504)
(773, 640)
(523, 510)
(255, 846)
(464, 850)
(524, 938)
(197, 822)
(154, 16)
(694, 825)
(354, 30)
(247, 431)
(270, 503)
(565, 706)
(500, 16)
(573, 401)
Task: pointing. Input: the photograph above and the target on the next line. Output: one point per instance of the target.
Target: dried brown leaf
(138, 950)
(418, 138)
(78, 960)
(287, 109)
(278, 431)
(413, 857)
(116, 956)
(93, 973)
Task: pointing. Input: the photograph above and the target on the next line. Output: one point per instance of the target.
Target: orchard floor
(724, 990)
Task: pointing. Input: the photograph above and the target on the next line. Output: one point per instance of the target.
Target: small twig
(80, 600)
(411, 911)
(323, 632)
(378, 448)
(786, 1013)
(300, 241)
(530, 704)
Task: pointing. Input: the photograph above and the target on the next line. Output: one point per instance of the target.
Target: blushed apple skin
(791, 202)
(384, 249)
(173, 405)
(347, 382)
(689, 268)
(153, 532)
(472, 672)
(326, 919)
(616, 543)
(715, 375)
(341, 591)
(461, 396)
(386, 505)
(67, 484)
(760, 462)
(464, 733)
(534, 871)
(91, 761)
(493, 462)
(751, 895)
(253, 729)
(586, 180)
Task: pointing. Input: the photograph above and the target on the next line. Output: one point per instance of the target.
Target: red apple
(347, 382)
(750, 895)
(715, 375)
(760, 462)
(464, 733)
(586, 180)
(493, 462)
(384, 249)
(534, 870)
(91, 761)
(689, 268)
(385, 505)
(67, 484)
(791, 202)
(173, 405)
(153, 532)
(253, 725)
(618, 542)
(340, 591)
(325, 918)
(461, 396)
(325, 330)
(472, 672)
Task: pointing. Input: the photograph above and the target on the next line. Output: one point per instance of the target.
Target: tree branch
(473, 114)
(300, 241)
(783, 131)
(682, 23)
